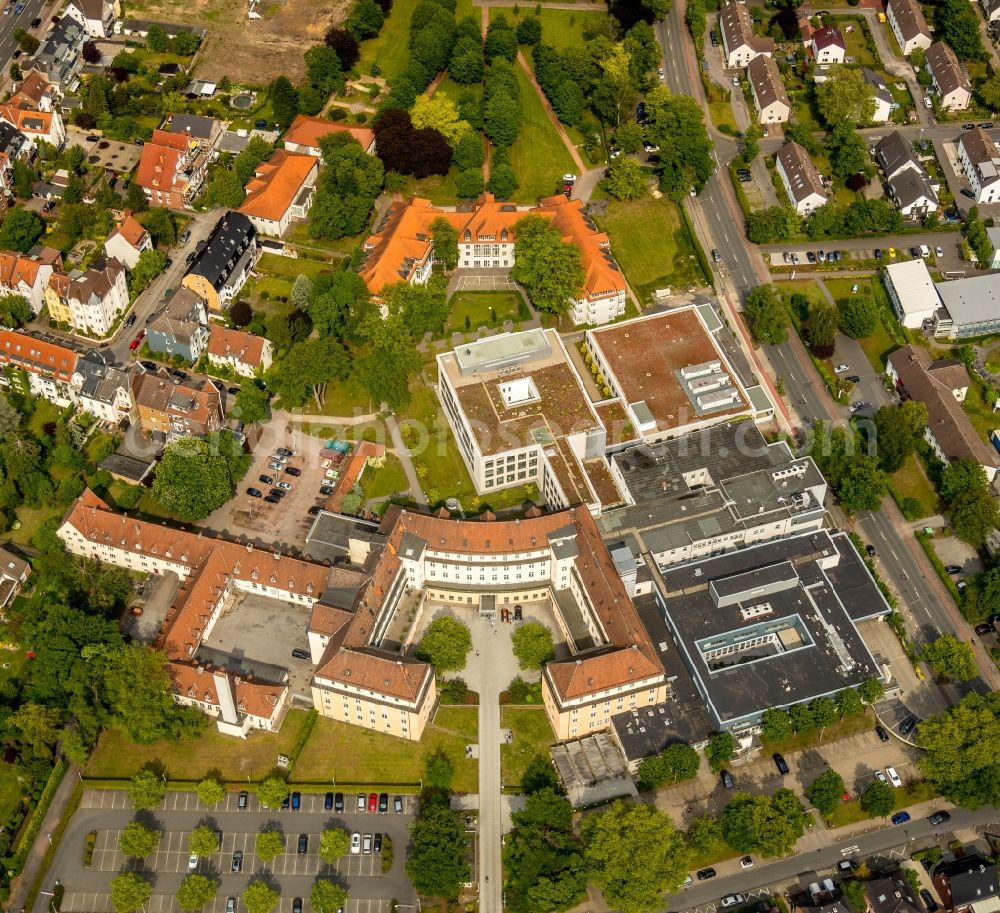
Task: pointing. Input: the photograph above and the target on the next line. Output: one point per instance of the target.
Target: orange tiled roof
(131, 231)
(27, 121)
(36, 355)
(259, 699)
(226, 343)
(308, 131)
(328, 620)
(276, 184)
(31, 91)
(158, 166)
(177, 141)
(18, 268)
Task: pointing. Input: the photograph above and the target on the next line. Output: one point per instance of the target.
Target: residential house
(14, 573)
(35, 125)
(800, 178)
(127, 242)
(994, 235)
(28, 274)
(980, 160)
(914, 194)
(894, 154)
(401, 248)
(906, 20)
(206, 131)
(280, 190)
(6, 184)
(942, 387)
(14, 144)
(171, 169)
(96, 17)
(166, 406)
(968, 883)
(89, 301)
(768, 91)
(180, 327)
(59, 57)
(890, 894)
(244, 353)
(224, 261)
(305, 132)
(739, 43)
(827, 45)
(38, 367)
(35, 93)
(951, 84)
(885, 104)
(104, 390)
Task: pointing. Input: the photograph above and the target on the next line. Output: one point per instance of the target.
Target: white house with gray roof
(800, 178)
(768, 91)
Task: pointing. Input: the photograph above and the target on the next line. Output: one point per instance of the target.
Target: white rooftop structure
(912, 292)
(972, 305)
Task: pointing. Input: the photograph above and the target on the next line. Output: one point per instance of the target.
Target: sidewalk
(22, 883)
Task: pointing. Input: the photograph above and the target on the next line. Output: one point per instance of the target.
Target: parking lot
(286, 523)
(106, 812)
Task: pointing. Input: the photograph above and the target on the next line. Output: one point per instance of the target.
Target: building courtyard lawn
(353, 756)
(237, 760)
(482, 309)
(533, 736)
(384, 482)
(538, 156)
(652, 246)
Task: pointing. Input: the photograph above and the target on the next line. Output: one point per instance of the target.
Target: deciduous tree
(898, 428)
(951, 658)
(846, 98)
(269, 844)
(343, 42)
(272, 791)
(437, 862)
(136, 839)
(259, 898)
(859, 316)
(549, 269)
(389, 361)
(878, 799)
(777, 725)
(768, 825)
(251, 403)
(191, 481)
(826, 791)
(146, 789)
(129, 891)
(445, 238)
(533, 646)
(440, 113)
(333, 844)
(20, 230)
(626, 179)
(634, 854)
(766, 316)
(445, 644)
(719, 750)
(196, 891)
(203, 840)
(958, 25)
(327, 896)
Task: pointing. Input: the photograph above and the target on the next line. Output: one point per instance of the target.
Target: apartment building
(103, 390)
(175, 409)
(35, 93)
(906, 20)
(96, 17)
(401, 248)
(27, 275)
(59, 57)
(172, 169)
(90, 301)
(768, 91)
(243, 353)
(952, 86)
(739, 43)
(224, 261)
(800, 178)
(127, 242)
(180, 327)
(281, 190)
(38, 366)
(980, 161)
(35, 125)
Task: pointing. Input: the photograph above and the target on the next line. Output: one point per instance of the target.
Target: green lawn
(299, 234)
(237, 759)
(651, 245)
(562, 29)
(532, 736)
(353, 755)
(11, 793)
(538, 155)
(982, 416)
(808, 287)
(30, 519)
(722, 114)
(380, 483)
(855, 40)
(880, 344)
(275, 276)
(343, 399)
(478, 307)
(852, 725)
(438, 188)
(910, 481)
(910, 794)
(391, 48)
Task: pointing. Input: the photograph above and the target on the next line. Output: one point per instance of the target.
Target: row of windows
(499, 480)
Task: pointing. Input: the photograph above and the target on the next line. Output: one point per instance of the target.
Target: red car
(372, 801)
(134, 344)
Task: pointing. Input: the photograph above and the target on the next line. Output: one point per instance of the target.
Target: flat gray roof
(971, 300)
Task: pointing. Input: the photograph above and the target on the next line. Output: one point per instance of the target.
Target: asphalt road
(32, 9)
(291, 874)
(896, 840)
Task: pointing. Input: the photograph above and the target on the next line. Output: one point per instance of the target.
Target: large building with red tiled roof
(171, 169)
(280, 190)
(401, 248)
(28, 274)
(46, 367)
(305, 133)
(243, 353)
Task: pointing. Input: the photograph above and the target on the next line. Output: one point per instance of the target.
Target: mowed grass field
(651, 245)
(391, 48)
(561, 29)
(538, 156)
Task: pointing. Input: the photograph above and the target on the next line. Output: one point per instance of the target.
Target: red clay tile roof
(158, 167)
(307, 131)
(35, 355)
(26, 120)
(327, 619)
(259, 699)
(276, 184)
(31, 91)
(131, 231)
(226, 343)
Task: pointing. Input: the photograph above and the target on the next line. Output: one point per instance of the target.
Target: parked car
(881, 777)
(900, 817)
(841, 368)
(810, 256)
(237, 865)
(716, 256)
(780, 763)
(984, 629)
(853, 378)
(938, 251)
(267, 480)
(986, 125)
(362, 799)
(907, 726)
(242, 799)
(878, 253)
(328, 798)
(968, 126)
(705, 874)
(894, 777)
(883, 736)
(192, 861)
(746, 862)
(278, 493)
(286, 485)
(714, 38)
(953, 568)
(293, 471)
(355, 843)
(939, 818)
(296, 905)
(372, 802)
(870, 550)
(397, 804)
(377, 843)
(34, 24)
(299, 653)
(279, 458)
(366, 844)
(284, 451)
(383, 803)
(131, 320)
(230, 905)
(846, 866)
(190, 257)
(928, 900)
(314, 511)
(303, 846)
(732, 900)
(967, 193)
(727, 779)
(185, 236)
(254, 492)
(338, 802)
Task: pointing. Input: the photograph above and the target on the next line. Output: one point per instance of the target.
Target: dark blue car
(900, 817)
